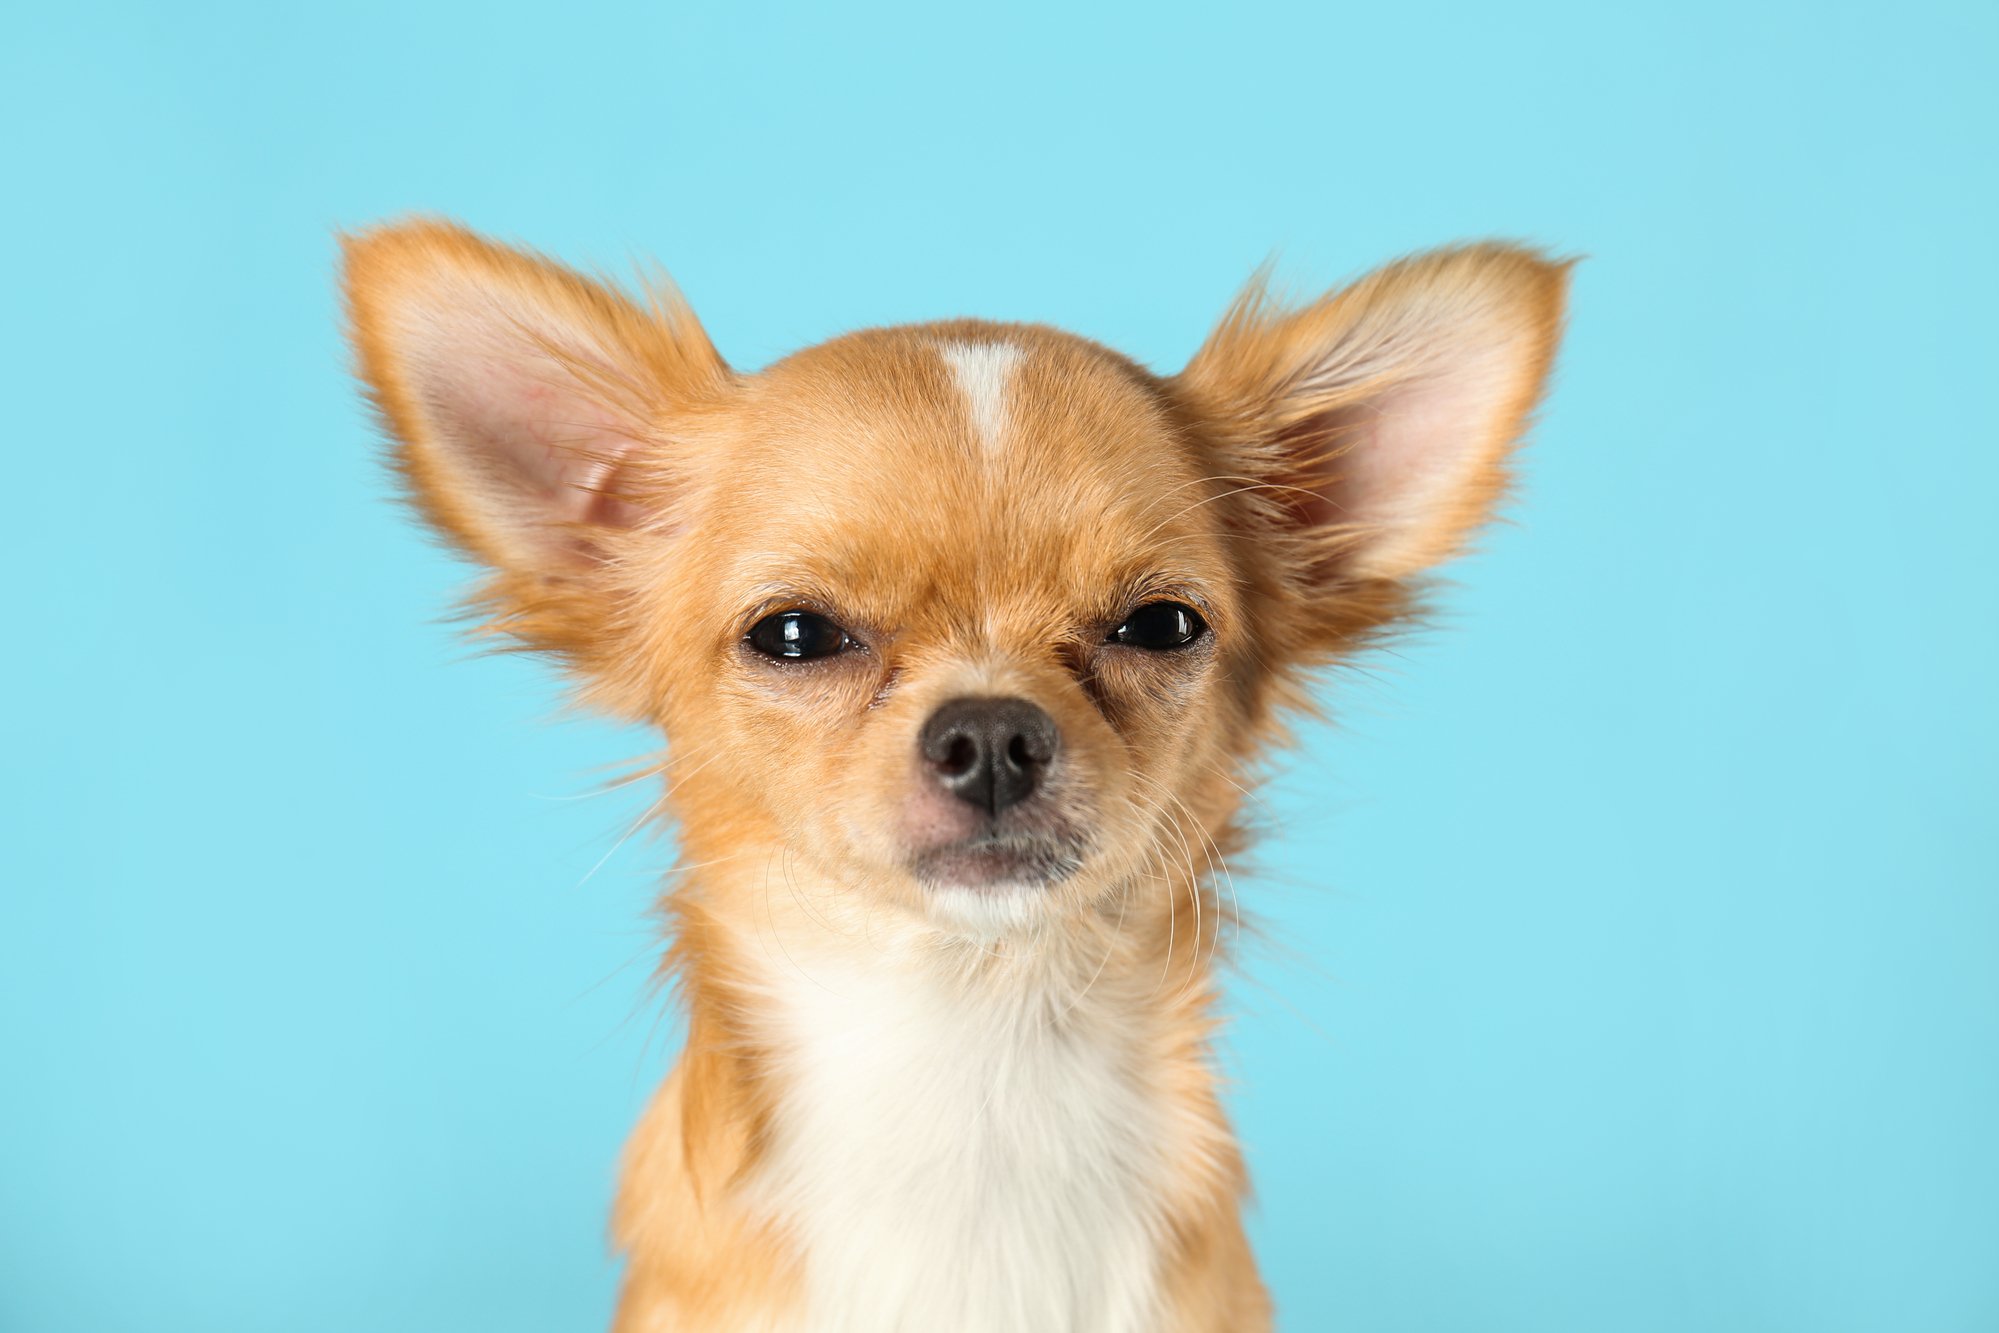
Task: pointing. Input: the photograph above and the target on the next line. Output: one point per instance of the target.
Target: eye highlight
(797, 636)
(1160, 627)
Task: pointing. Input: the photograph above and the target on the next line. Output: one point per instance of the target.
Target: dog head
(978, 618)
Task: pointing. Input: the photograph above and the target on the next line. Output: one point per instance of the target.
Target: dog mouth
(998, 862)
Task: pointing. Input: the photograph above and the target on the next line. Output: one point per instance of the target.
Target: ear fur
(516, 390)
(1376, 421)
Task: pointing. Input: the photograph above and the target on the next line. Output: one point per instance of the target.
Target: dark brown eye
(1160, 626)
(795, 636)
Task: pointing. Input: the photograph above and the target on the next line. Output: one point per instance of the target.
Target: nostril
(959, 756)
(1017, 751)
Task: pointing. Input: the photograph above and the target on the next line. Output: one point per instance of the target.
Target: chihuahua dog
(964, 638)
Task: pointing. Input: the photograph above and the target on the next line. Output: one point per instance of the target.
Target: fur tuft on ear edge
(1379, 417)
(514, 387)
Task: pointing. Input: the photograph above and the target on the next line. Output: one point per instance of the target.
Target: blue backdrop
(1632, 951)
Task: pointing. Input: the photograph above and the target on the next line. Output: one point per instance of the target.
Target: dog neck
(910, 1118)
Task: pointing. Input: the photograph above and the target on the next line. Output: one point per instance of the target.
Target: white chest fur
(971, 1154)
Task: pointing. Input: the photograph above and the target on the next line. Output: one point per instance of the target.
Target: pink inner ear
(541, 450)
(1400, 464)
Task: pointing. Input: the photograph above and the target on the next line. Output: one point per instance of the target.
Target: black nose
(989, 752)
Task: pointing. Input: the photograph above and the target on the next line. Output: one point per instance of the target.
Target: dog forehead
(925, 411)
(939, 457)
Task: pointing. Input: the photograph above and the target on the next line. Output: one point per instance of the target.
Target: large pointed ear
(1376, 421)
(516, 390)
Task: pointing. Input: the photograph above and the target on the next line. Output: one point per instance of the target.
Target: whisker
(657, 807)
(1117, 935)
(1172, 897)
(640, 776)
(1223, 495)
(777, 936)
(637, 824)
(1193, 879)
(804, 903)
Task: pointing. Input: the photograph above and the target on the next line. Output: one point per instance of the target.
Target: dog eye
(796, 635)
(1159, 626)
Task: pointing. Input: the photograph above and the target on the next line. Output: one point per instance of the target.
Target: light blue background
(1634, 956)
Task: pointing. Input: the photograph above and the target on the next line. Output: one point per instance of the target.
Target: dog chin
(996, 866)
(993, 886)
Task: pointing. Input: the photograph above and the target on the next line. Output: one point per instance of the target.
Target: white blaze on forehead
(982, 371)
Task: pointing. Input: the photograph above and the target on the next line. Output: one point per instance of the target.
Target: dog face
(965, 626)
(979, 619)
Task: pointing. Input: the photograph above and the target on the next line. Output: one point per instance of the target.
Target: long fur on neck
(878, 1124)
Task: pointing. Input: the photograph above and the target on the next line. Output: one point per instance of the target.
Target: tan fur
(680, 501)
